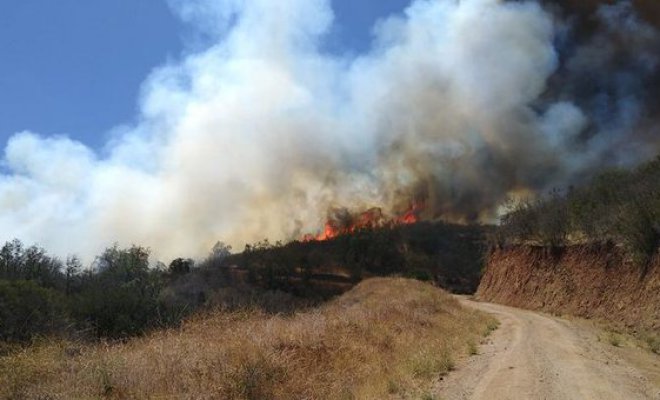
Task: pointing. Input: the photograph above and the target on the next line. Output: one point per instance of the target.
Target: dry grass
(386, 338)
(653, 343)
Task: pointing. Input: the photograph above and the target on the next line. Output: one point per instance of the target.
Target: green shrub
(28, 310)
(619, 205)
(121, 298)
(472, 348)
(614, 339)
(491, 327)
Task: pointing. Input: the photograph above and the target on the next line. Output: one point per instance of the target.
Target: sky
(75, 68)
(174, 124)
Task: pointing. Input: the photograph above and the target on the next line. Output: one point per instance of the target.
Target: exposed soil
(536, 356)
(590, 281)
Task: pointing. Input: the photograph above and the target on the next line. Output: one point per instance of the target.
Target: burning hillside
(342, 222)
(469, 102)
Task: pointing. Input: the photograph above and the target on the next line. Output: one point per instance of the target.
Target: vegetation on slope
(592, 251)
(386, 338)
(622, 206)
(39, 295)
(124, 294)
(450, 255)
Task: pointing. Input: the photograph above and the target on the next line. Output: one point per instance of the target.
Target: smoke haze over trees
(618, 206)
(459, 105)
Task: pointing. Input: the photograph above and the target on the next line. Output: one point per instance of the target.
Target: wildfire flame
(372, 218)
(411, 216)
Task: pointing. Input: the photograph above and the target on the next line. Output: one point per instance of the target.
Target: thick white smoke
(260, 133)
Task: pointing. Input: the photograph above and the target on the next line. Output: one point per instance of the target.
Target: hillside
(591, 251)
(124, 292)
(450, 255)
(591, 281)
(386, 338)
(619, 205)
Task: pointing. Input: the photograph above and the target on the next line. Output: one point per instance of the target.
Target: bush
(620, 206)
(180, 266)
(121, 298)
(654, 343)
(28, 310)
(553, 224)
(637, 231)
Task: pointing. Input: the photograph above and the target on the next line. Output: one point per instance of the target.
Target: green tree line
(118, 295)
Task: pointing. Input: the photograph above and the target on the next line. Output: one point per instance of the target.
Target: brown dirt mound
(590, 281)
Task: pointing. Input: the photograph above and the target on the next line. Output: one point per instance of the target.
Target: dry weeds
(386, 338)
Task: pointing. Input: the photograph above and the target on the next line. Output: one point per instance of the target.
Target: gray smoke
(458, 105)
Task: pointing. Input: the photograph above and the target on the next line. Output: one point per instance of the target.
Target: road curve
(536, 356)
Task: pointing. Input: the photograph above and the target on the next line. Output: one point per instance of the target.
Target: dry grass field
(386, 338)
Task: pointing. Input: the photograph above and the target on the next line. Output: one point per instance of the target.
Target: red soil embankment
(590, 281)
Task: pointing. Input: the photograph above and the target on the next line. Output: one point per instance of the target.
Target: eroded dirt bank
(591, 281)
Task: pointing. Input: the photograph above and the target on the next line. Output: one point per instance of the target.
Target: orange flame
(411, 216)
(372, 218)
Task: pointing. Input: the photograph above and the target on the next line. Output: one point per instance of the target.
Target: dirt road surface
(536, 356)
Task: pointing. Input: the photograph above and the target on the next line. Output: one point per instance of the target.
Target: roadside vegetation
(613, 220)
(621, 337)
(619, 206)
(386, 338)
(124, 293)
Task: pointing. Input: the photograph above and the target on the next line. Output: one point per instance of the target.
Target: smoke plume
(457, 105)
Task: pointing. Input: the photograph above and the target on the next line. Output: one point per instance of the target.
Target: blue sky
(75, 67)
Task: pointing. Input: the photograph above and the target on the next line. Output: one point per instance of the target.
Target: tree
(121, 298)
(180, 266)
(72, 270)
(18, 262)
(220, 251)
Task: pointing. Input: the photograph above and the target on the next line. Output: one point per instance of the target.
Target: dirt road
(536, 356)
